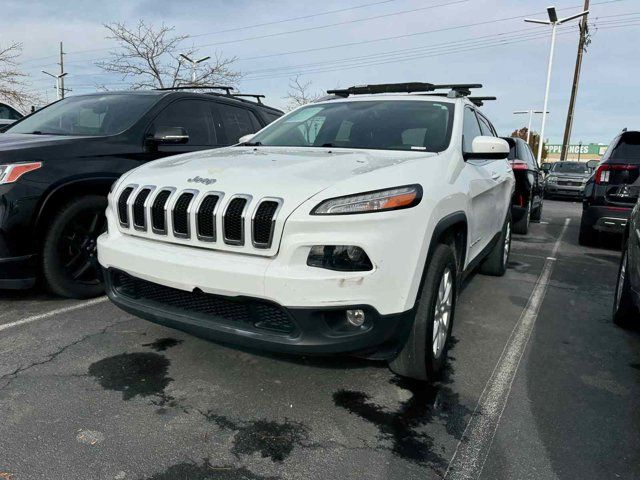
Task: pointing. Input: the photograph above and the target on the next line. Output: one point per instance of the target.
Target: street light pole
(530, 112)
(554, 22)
(194, 64)
(59, 93)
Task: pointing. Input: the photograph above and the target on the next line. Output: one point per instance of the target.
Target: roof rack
(258, 97)
(200, 87)
(479, 101)
(457, 89)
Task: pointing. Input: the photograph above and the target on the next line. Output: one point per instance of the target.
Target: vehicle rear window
(627, 149)
(380, 125)
(570, 167)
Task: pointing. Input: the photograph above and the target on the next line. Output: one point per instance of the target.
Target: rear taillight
(517, 165)
(603, 174)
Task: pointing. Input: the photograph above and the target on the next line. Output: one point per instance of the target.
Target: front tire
(69, 261)
(496, 262)
(424, 354)
(624, 310)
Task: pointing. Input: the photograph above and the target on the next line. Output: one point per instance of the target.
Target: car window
(236, 122)
(533, 163)
(570, 167)
(627, 149)
(192, 115)
(106, 114)
(8, 113)
(470, 129)
(379, 125)
(485, 126)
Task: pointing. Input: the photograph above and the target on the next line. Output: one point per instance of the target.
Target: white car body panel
(396, 241)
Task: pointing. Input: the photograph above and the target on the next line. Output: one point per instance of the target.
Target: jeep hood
(293, 174)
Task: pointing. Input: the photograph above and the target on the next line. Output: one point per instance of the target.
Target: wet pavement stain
(428, 403)
(206, 471)
(133, 374)
(273, 440)
(163, 344)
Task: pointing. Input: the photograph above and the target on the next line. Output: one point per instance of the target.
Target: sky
(354, 42)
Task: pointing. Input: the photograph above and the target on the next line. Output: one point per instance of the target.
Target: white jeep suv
(343, 227)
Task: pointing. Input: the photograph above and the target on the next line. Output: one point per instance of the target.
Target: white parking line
(42, 316)
(472, 450)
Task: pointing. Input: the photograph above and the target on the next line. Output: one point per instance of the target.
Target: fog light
(355, 317)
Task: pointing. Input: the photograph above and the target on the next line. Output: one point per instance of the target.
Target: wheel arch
(66, 191)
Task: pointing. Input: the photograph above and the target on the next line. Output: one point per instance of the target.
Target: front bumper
(563, 190)
(256, 323)
(18, 272)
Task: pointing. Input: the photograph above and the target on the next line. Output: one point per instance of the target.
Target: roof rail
(258, 97)
(199, 87)
(457, 89)
(479, 101)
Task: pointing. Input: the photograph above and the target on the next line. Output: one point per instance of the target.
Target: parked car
(527, 199)
(8, 115)
(566, 179)
(612, 192)
(57, 165)
(343, 227)
(626, 305)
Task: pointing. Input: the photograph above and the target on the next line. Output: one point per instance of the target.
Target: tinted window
(485, 126)
(529, 157)
(236, 122)
(570, 167)
(271, 116)
(8, 113)
(470, 129)
(87, 115)
(627, 148)
(192, 115)
(380, 124)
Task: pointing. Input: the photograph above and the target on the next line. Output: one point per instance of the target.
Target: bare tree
(300, 93)
(533, 140)
(14, 88)
(149, 57)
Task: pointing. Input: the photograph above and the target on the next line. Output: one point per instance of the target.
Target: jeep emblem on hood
(204, 181)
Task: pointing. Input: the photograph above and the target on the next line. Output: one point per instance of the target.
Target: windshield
(381, 125)
(87, 115)
(570, 167)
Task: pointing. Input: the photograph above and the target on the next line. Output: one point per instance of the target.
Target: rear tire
(496, 262)
(522, 226)
(588, 237)
(69, 262)
(424, 354)
(624, 310)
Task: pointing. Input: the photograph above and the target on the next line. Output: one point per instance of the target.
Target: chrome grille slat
(233, 220)
(139, 213)
(263, 222)
(206, 216)
(180, 214)
(158, 212)
(123, 205)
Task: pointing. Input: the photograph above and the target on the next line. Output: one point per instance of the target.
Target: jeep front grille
(172, 213)
(123, 208)
(181, 215)
(138, 209)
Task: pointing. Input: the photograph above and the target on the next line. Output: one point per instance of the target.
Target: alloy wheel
(442, 312)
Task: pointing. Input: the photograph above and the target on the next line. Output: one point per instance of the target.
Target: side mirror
(546, 167)
(246, 138)
(488, 148)
(593, 164)
(170, 136)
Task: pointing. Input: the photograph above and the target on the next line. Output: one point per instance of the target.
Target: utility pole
(584, 35)
(553, 21)
(59, 91)
(62, 90)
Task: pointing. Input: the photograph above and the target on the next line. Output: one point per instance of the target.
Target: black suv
(58, 164)
(611, 193)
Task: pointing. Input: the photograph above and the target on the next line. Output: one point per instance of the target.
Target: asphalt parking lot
(540, 385)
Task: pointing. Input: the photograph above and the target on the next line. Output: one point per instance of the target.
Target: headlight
(12, 172)
(552, 179)
(368, 202)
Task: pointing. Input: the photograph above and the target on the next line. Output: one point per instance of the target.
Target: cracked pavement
(95, 393)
